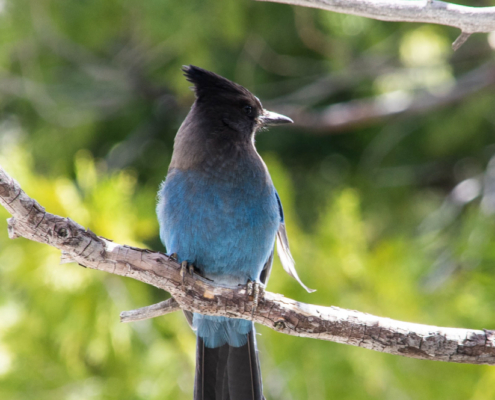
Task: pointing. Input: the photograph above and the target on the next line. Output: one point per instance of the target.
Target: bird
(219, 212)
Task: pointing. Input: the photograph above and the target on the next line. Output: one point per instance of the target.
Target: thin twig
(461, 39)
(156, 310)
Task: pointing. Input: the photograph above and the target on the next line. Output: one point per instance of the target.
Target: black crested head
(223, 103)
(208, 83)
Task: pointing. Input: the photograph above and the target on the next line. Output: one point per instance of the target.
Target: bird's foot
(186, 268)
(255, 292)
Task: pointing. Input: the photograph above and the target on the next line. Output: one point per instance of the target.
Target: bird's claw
(254, 289)
(185, 268)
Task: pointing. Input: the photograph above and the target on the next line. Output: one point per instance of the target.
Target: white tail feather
(285, 256)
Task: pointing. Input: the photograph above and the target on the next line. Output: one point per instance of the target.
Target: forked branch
(193, 293)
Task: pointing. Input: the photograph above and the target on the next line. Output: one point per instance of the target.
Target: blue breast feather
(226, 228)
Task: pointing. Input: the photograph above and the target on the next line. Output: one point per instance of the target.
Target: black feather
(228, 373)
(208, 83)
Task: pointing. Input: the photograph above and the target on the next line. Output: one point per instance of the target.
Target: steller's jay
(219, 211)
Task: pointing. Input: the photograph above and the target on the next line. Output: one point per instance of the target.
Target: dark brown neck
(200, 144)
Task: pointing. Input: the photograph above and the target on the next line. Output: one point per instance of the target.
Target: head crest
(206, 82)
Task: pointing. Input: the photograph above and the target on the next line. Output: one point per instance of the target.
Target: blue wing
(283, 249)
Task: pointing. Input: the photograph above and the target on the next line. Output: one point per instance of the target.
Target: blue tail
(217, 331)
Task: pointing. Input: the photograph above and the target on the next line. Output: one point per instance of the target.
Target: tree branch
(467, 19)
(196, 294)
(339, 118)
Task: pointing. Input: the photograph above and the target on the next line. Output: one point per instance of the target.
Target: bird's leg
(254, 289)
(185, 268)
(256, 297)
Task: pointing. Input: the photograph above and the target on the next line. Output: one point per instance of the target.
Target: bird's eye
(248, 110)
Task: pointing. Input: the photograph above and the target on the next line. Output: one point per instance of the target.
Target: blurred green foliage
(394, 217)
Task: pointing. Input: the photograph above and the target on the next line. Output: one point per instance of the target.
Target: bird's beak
(271, 118)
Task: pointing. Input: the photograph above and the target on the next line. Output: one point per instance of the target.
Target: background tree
(395, 217)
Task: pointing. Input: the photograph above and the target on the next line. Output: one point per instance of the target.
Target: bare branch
(337, 118)
(467, 19)
(156, 310)
(31, 221)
